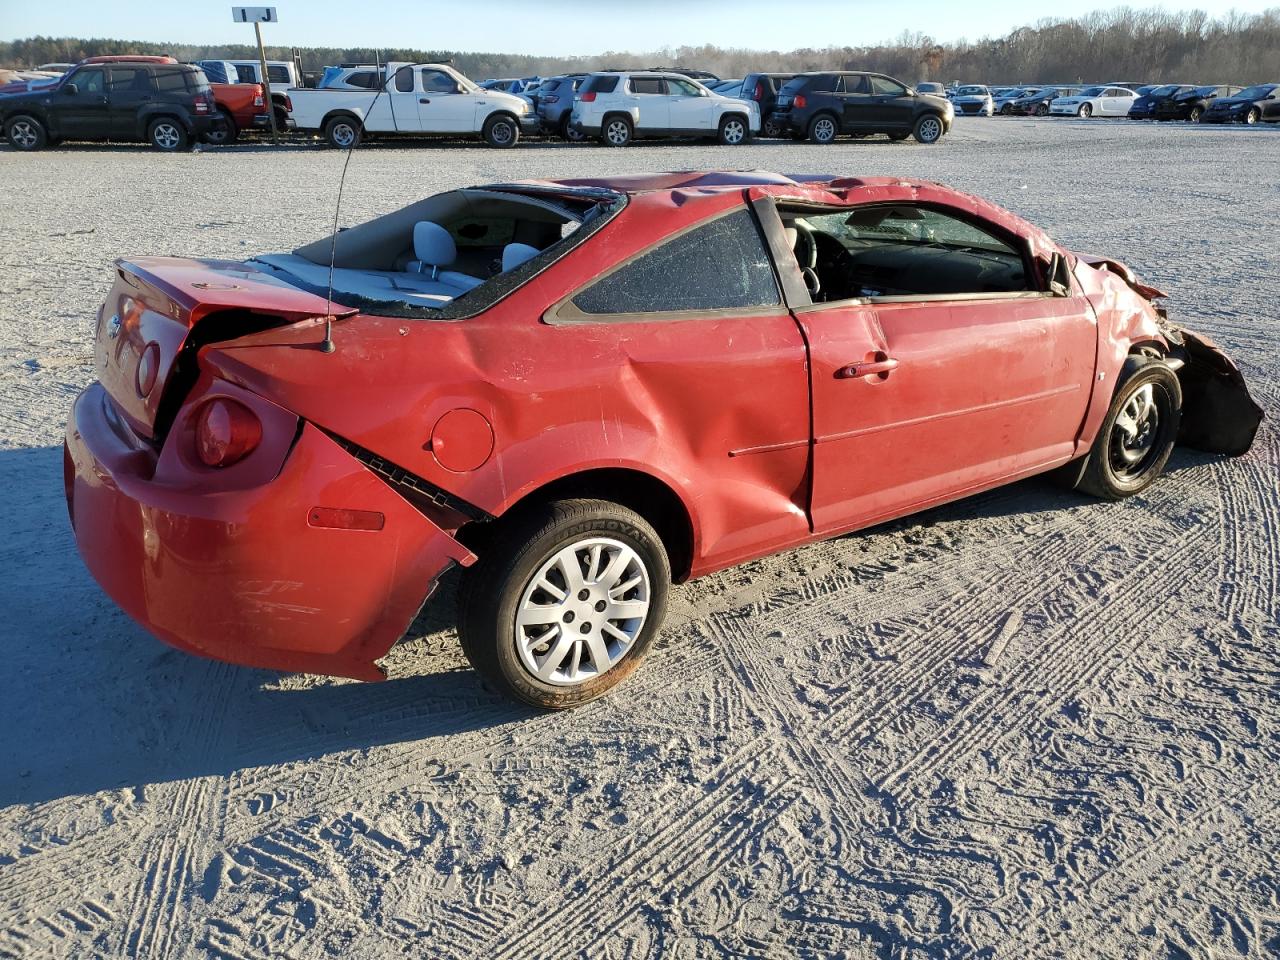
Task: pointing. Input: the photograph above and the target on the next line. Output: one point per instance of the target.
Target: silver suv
(618, 107)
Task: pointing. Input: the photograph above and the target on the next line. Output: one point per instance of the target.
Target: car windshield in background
(1260, 92)
(971, 92)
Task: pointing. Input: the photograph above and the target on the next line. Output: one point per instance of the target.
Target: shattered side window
(721, 265)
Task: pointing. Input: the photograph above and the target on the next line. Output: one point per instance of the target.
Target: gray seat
(514, 254)
(434, 249)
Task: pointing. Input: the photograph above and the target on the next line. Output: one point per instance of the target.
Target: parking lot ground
(1025, 724)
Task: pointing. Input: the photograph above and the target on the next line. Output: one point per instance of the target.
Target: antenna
(327, 345)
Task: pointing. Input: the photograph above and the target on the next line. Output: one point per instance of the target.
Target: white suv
(618, 107)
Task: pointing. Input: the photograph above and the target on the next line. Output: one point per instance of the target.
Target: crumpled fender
(1218, 414)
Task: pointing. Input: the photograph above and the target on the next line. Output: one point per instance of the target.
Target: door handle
(424, 99)
(881, 366)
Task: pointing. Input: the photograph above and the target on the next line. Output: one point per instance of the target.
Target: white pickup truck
(417, 99)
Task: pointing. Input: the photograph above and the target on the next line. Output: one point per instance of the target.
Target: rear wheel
(771, 129)
(823, 129)
(568, 132)
(501, 131)
(564, 602)
(898, 137)
(342, 133)
(1137, 436)
(733, 131)
(168, 134)
(223, 130)
(26, 133)
(928, 129)
(616, 132)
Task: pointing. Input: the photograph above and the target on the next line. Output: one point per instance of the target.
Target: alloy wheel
(501, 133)
(166, 136)
(617, 133)
(23, 134)
(734, 132)
(343, 134)
(824, 130)
(1133, 438)
(581, 612)
(930, 129)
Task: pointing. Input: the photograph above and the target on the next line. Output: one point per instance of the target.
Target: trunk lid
(160, 309)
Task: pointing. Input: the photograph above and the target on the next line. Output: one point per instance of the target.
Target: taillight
(759, 91)
(226, 432)
(258, 101)
(203, 102)
(799, 102)
(588, 97)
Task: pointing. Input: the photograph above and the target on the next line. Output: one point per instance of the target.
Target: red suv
(583, 390)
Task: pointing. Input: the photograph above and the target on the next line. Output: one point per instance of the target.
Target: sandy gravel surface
(1028, 724)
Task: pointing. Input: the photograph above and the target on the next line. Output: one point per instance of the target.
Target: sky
(555, 27)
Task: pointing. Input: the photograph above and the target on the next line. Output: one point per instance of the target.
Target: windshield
(1092, 92)
(971, 92)
(1260, 92)
(1201, 92)
(1166, 90)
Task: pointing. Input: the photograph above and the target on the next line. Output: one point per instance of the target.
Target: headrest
(792, 235)
(433, 245)
(514, 254)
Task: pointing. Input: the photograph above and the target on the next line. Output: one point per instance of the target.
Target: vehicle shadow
(89, 702)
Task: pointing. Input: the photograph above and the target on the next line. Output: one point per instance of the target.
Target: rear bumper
(243, 575)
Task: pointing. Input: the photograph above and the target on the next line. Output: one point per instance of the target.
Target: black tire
(343, 133)
(493, 589)
(734, 131)
(26, 133)
(168, 134)
(898, 137)
(566, 129)
(1196, 114)
(1125, 459)
(223, 130)
(616, 131)
(928, 129)
(1005, 110)
(501, 130)
(1042, 110)
(1085, 111)
(823, 129)
(771, 129)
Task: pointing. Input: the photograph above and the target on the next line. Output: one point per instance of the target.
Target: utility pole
(258, 16)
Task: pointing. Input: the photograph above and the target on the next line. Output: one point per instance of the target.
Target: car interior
(437, 250)
(901, 250)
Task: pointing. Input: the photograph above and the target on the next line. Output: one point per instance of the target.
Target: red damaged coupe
(583, 390)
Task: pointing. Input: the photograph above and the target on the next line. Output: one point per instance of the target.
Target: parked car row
(1212, 103)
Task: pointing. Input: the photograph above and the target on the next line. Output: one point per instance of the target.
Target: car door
(853, 92)
(893, 106)
(708, 377)
(83, 113)
(691, 110)
(920, 397)
(397, 108)
(443, 106)
(1270, 107)
(129, 89)
(649, 97)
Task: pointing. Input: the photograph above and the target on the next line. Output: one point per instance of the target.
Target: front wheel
(1137, 436)
(1085, 111)
(569, 132)
(928, 129)
(564, 602)
(1196, 114)
(1252, 116)
(1042, 110)
(501, 131)
(26, 133)
(168, 135)
(733, 131)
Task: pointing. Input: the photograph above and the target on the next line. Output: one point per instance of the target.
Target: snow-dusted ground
(1028, 724)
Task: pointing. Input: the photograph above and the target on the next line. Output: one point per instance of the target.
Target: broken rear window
(721, 265)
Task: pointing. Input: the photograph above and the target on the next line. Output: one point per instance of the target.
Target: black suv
(763, 89)
(155, 100)
(821, 106)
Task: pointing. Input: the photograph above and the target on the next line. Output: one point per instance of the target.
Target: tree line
(1145, 45)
